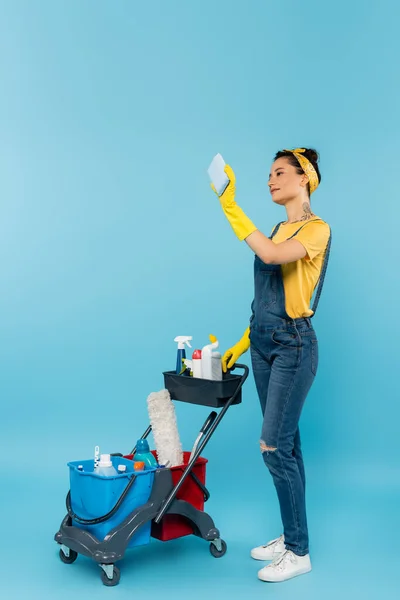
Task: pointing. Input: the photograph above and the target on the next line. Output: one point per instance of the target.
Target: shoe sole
(302, 572)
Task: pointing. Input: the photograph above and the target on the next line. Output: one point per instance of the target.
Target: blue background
(112, 243)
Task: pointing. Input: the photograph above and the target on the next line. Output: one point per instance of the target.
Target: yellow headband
(307, 168)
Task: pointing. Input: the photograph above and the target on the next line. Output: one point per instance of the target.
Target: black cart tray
(203, 391)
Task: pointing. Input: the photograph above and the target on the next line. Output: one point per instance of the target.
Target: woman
(283, 344)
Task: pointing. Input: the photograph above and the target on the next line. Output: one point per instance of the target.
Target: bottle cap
(121, 468)
(142, 445)
(138, 465)
(105, 460)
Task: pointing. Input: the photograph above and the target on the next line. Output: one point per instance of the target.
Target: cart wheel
(68, 560)
(218, 553)
(114, 580)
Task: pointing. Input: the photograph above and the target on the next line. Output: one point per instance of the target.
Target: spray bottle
(211, 361)
(182, 340)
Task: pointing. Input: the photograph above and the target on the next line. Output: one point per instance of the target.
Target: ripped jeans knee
(264, 448)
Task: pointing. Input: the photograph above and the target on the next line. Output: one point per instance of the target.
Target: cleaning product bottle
(189, 366)
(196, 364)
(139, 465)
(143, 454)
(182, 340)
(105, 466)
(211, 361)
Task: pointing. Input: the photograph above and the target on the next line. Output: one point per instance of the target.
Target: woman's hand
(228, 197)
(240, 223)
(233, 354)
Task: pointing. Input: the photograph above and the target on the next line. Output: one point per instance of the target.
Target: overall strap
(275, 230)
(323, 270)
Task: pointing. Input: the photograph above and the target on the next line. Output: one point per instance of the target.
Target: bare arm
(275, 254)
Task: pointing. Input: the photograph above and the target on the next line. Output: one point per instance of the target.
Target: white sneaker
(285, 567)
(270, 551)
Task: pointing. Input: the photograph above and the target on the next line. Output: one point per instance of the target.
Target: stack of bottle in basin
(97, 486)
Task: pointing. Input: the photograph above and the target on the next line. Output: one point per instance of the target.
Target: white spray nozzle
(182, 340)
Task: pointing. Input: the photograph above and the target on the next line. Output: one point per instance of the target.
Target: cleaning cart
(108, 515)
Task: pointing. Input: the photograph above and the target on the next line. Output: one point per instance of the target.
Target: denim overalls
(284, 354)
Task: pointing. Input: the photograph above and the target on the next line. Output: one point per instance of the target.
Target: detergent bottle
(211, 367)
(105, 466)
(144, 455)
(182, 340)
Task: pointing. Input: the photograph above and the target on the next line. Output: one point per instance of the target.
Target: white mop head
(165, 429)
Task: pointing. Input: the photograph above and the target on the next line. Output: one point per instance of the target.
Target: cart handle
(245, 374)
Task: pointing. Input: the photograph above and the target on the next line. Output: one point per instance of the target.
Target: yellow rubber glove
(241, 224)
(232, 355)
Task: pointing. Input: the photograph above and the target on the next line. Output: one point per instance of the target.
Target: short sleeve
(314, 237)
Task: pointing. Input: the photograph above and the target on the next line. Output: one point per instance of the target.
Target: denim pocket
(314, 356)
(286, 339)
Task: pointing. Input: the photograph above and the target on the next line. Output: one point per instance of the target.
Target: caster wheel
(114, 580)
(68, 560)
(218, 553)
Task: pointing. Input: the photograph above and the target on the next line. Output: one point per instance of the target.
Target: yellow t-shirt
(301, 277)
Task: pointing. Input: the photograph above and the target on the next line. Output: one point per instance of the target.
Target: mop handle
(209, 421)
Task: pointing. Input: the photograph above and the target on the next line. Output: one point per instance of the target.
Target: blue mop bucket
(93, 496)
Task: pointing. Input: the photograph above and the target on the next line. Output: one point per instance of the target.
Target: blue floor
(353, 552)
